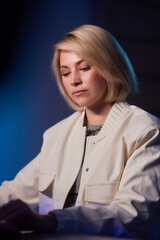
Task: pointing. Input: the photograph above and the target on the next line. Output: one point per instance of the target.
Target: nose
(75, 79)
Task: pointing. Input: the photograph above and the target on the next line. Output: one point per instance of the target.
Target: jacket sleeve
(24, 185)
(136, 207)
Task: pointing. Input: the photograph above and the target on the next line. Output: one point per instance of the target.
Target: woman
(97, 171)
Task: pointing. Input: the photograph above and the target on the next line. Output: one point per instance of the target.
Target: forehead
(67, 58)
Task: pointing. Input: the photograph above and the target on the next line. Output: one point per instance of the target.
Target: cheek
(99, 84)
(67, 88)
(65, 85)
(102, 88)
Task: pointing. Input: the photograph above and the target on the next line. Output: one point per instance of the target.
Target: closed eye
(85, 68)
(65, 74)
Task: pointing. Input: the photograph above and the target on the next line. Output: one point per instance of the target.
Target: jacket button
(87, 169)
(93, 142)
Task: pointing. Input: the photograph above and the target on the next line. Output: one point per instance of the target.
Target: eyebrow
(77, 63)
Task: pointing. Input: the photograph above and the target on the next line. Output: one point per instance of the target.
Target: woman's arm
(24, 186)
(19, 215)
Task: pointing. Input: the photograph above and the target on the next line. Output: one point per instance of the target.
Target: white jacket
(120, 176)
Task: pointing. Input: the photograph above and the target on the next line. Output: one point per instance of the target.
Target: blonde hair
(99, 48)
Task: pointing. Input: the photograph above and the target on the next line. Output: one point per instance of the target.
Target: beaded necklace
(93, 130)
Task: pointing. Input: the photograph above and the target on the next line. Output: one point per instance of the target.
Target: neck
(97, 116)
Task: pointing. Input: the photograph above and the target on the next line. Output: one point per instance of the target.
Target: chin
(81, 104)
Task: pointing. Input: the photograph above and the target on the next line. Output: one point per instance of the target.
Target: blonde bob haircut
(101, 50)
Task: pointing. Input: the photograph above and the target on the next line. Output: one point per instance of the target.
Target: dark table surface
(51, 236)
(10, 233)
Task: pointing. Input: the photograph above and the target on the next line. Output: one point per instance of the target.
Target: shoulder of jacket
(142, 119)
(140, 125)
(65, 123)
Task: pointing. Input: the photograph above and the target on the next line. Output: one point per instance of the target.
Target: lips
(79, 92)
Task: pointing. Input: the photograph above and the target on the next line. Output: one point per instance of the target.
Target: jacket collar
(112, 118)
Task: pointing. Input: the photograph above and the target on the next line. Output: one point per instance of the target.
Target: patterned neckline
(93, 130)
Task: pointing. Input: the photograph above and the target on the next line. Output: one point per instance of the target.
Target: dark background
(29, 98)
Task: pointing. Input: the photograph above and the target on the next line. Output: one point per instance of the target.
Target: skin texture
(85, 86)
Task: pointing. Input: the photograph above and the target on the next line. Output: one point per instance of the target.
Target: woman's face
(81, 81)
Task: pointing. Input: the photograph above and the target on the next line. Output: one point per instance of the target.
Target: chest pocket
(46, 183)
(102, 193)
